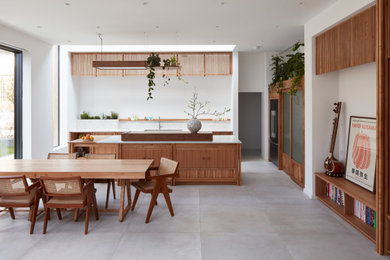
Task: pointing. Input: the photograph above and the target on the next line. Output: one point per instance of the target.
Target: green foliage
(153, 61)
(85, 115)
(114, 115)
(290, 67)
(96, 117)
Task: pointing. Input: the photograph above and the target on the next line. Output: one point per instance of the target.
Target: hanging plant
(153, 61)
(293, 68)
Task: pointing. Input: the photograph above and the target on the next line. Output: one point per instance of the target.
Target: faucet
(159, 123)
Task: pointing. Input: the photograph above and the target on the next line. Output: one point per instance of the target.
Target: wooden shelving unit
(170, 120)
(351, 192)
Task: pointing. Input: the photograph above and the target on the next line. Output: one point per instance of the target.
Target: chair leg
(59, 214)
(34, 215)
(137, 192)
(95, 207)
(151, 205)
(76, 215)
(167, 198)
(113, 189)
(87, 217)
(108, 193)
(11, 212)
(47, 216)
(30, 213)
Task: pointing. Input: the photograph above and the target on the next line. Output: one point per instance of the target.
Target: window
(11, 145)
(56, 97)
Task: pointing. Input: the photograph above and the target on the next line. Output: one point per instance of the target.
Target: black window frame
(18, 105)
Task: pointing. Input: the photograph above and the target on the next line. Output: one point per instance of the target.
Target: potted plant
(293, 68)
(199, 108)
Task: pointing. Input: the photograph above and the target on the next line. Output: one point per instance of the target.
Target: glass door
(10, 103)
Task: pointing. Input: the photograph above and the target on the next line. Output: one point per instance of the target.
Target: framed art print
(361, 152)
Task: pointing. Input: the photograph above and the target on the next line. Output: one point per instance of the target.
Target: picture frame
(361, 152)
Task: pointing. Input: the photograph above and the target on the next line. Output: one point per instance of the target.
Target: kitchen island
(200, 162)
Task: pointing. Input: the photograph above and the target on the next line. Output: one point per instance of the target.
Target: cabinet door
(109, 57)
(105, 149)
(136, 57)
(207, 176)
(192, 64)
(82, 64)
(218, 64)
(147, 151)
(206, 156)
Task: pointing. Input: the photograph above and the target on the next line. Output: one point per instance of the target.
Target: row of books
(335, 194)
(365, 213)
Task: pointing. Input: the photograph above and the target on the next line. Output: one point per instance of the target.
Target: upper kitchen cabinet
(192, 64)
(82, 64)
(218, 64)
(135, 57)
(109, 57)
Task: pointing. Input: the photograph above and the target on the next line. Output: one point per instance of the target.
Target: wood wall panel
(218, 64)
(347, 44)
(135, 57)
(82, 64)
(192, 64)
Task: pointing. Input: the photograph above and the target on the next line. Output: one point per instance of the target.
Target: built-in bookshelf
(351, 202)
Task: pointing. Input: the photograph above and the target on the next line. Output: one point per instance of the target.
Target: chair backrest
(102, 156)
(13, 186)
(167, 166)
(59, 187)
(59, 156)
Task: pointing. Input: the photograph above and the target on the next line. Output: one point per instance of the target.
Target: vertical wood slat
(217, 64)
(382, 111)
(192, 64)
(347, 44)
(82, 64)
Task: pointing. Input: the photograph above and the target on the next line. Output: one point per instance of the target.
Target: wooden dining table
(122, 170)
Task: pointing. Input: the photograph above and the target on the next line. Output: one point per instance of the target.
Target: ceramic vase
(194, 125)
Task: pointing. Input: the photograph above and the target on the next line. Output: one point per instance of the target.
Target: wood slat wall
(193, 64)
(347, 44)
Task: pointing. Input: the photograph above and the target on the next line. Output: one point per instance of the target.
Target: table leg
(122, 201)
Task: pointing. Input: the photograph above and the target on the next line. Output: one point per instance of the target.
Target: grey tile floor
(268, 217)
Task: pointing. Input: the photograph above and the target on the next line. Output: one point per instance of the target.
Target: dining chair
(68, 192)
(16, 193)
(59, 156)
(109, 156)
(156, 184)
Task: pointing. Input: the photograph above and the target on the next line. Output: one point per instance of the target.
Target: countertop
(116, 139)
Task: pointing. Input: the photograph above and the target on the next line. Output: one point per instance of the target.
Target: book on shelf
(335, 194)
(365, 213)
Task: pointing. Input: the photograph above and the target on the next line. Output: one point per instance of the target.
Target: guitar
(333, 167)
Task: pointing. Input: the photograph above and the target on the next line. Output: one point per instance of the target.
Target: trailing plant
(153, 61)
(290, 67)
(199, 108)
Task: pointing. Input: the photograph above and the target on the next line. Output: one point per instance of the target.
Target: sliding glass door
(10, 103)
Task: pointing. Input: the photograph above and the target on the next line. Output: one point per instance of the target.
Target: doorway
(10, 103)
(249, 126)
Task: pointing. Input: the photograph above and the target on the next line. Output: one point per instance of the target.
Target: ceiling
(261, 25)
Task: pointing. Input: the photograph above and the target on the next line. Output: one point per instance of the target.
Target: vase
(194, 125)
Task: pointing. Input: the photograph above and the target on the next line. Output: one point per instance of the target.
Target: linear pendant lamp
(126, 65)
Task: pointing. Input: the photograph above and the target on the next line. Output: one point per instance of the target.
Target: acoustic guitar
(334, 168)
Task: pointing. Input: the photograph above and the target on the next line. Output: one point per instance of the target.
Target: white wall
(37, 91)
(321, 91)
(252, 71)
(127, 95)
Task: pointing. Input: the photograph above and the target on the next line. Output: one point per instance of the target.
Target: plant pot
(194, 125)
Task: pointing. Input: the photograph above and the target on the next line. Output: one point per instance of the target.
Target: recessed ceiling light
(257, 47)
(39, 27)
(277, 26)
(214, 41)
(301, 3)
(145, 3)
(98, 27)
(222, 3)
(67, 4)
(217, 26)
(157, 26)
(69, 41)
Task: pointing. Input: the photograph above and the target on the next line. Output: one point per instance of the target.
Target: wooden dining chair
(110, 156)
(60, 156)
(156, 184)
(70, 192)
(16, 193)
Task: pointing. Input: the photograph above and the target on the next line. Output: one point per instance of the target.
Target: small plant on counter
(199, 108)
(153, 61)
(293, 68)
(114, 115)
(96, 117)
(85, 115)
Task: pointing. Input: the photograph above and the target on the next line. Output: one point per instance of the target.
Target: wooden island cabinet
(206, 162)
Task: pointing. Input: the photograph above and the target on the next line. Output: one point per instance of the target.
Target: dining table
(122, 170)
